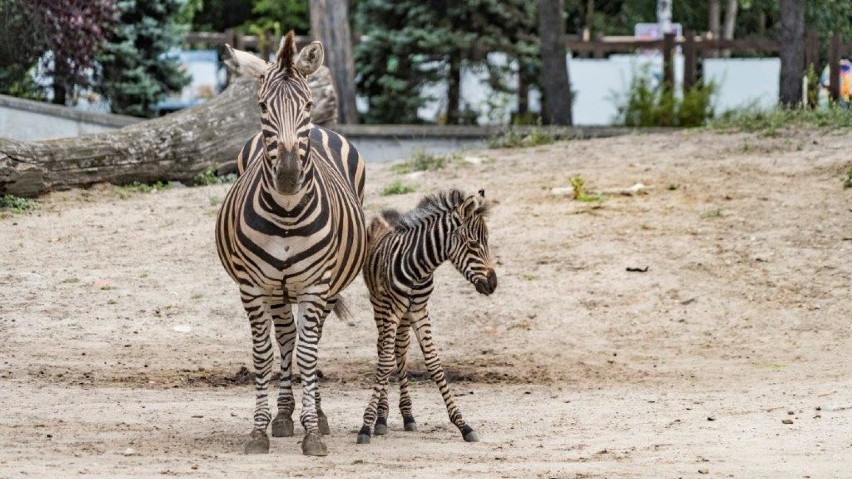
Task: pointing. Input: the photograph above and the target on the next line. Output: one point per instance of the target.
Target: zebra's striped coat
(404, 251)
(291, 231)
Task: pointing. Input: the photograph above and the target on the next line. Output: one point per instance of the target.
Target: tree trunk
(454, 89)
(714, 14)
(175, 147)
(792, 51)
(730, 24)
(330, 25)
(556, 109)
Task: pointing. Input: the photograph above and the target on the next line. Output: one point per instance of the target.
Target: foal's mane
(432, 205)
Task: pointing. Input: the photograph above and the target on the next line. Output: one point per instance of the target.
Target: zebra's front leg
(255, 304)
(285, 334)
(386, 363)
(311, 310)
(322, 420)
(403, 334)
(423, 331)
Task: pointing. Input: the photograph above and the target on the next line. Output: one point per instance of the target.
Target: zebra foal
(403, 252)
(291, 231)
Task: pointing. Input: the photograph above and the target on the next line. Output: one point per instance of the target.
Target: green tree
(21, 46)
(411, 43)
(136, 70)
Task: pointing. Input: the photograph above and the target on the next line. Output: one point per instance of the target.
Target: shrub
(16, 204)
(646, 106)
(512, 138)
(396, 188)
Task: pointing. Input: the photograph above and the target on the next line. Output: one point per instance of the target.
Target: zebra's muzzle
(288, 174)
(488, 285)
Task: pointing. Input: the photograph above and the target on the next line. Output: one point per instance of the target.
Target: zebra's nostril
(492, 280)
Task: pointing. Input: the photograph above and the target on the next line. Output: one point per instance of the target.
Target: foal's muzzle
(488, 285)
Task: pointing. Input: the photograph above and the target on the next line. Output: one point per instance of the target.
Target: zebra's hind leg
(423, 330)
(254, 302)
(383, 370)
(285, 334)
(403, 335)
(383, 408)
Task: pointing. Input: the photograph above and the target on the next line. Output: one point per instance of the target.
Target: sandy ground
(122, 339)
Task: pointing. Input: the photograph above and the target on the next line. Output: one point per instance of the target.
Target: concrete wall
(27, 120)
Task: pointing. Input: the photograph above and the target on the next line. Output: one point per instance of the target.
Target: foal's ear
(310, 58)
(474, 205)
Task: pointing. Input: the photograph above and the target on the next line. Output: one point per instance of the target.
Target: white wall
(744, 82)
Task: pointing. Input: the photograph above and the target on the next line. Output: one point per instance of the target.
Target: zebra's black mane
(438, 203)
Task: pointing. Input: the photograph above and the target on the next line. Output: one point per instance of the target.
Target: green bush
(646, 106)
(769, 122)
(16, 204)
(209, 177)
(396, 188)
(512, 138)
(422, 161)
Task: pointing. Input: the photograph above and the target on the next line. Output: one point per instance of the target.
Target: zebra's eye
(471, 243)
(263, 108)
(309, 105)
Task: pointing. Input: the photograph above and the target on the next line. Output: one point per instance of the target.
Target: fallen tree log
(176, 147)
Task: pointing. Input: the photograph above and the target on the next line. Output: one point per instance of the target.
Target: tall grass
(770, 122)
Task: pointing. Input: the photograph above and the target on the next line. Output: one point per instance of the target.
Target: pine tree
(136, 70)
(411, 43)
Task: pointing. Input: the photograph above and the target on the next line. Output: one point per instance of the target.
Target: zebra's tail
(341, 309)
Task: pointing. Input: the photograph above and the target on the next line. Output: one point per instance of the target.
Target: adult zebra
(291, 231)
(404, 251)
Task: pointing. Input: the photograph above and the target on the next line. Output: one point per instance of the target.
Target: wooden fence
(694, 46)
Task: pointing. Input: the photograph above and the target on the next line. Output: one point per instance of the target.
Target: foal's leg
(256, 305)
(387, 334)
(403, 334)
(285, 333)
(423, 330)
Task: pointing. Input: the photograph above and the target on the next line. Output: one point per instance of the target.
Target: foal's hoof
(364, 435)
(381, 426)
(323, 423)
(282, 426)
(312, 445)
(409, 424)
(258, 443)
(469, 434)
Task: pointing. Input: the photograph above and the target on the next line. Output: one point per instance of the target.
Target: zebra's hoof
(409, 424)
(323, 423)
(469, 434)
(258, 443)
(313, 445)
(364, 435)
(282, 426)
(381, 426)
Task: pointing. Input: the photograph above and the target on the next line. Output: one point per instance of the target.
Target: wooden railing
(694, 46)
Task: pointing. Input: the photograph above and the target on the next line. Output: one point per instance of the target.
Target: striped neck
(430, 243)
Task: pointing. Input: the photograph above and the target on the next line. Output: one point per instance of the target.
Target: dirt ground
(122, 339)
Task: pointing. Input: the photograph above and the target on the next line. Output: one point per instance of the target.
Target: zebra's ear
(244, 63)
(310, 58)
(474, 205)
